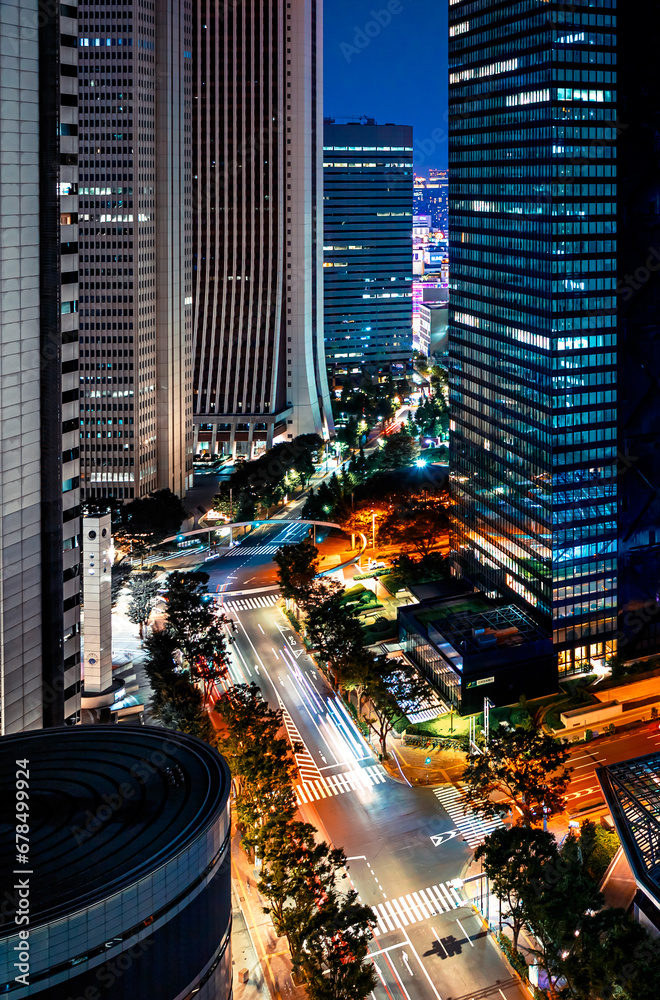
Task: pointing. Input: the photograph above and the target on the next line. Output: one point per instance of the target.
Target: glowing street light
(420, 462)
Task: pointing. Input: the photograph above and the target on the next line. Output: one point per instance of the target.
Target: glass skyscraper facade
(532, 323)
(367, 244)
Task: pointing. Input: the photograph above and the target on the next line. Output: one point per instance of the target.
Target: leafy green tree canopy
(399, 451)
(156, 516)
(525, 768)
(297, 565)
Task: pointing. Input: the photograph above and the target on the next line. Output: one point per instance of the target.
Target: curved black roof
(107, 805)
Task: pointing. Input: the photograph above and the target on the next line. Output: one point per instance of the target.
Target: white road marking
(473, 828)
(465, 932)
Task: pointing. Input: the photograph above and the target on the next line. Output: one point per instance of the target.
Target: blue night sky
(394, 72)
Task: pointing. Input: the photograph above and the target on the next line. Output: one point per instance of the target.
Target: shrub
(294, 621)
(607, 844)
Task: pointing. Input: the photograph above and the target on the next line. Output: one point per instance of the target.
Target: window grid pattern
(532, 335)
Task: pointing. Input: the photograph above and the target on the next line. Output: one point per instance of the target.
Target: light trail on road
(386, 822)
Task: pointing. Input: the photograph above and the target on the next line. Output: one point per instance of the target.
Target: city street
(404, 848)
(584, 788)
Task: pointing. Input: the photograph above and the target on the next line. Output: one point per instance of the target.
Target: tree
(190, 613)
(400, 450)
(349, 433)
(336, 946)
(395, 690)
(259, 759)
(332, 628)
(432, 417)
(524, 766)
(418, 523)
(296, 869)
(328, 931)
(210, 663)
(143, 590)
(563, 897)
(148, 520)
(439, 378)
(176, 702)
(613, 955)
(513, 858)
(180, 706)
(265, 481)
(353, 672)
(297, 565)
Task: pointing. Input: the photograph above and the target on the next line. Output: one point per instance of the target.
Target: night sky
(394, 72)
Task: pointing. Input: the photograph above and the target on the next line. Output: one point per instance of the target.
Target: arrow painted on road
(404, 956)
(442, 838)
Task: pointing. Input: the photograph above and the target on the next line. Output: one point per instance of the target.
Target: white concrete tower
(97, 594)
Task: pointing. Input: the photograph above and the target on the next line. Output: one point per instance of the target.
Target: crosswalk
(415, 907)
(251, 603)
(337, 784)
(251, 550)
(472, 828)
(307, 766)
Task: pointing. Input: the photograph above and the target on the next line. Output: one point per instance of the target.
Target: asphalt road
(404, 848)
(249, 566)
(584, 788)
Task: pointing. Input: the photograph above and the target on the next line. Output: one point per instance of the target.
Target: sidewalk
(409, 763)
(270, 952)
(244, 956)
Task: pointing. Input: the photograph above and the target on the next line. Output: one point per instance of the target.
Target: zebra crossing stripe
(472, 828)
(430, 901)
(423, 903)
(250, 603)
(333, 784)
(389, 906)
(384, 915)
(415, 907)
(419, 913)
(400, 914)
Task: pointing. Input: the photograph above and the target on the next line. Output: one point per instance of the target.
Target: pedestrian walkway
(251, 603)
(473, 828)
(415, 907)
(338, 784)
(307, 767)
(251, 550)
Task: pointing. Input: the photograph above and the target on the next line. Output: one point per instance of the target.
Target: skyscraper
(533, 322)
(39, 472)
(257, 126)
(367, 244)
(135, 76)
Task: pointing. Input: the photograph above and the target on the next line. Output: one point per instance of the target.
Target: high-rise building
(135, 81)
(437, 198)
(367, 244)
(39, 472)
(431, 195)
(533, 312)
(257, 127)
